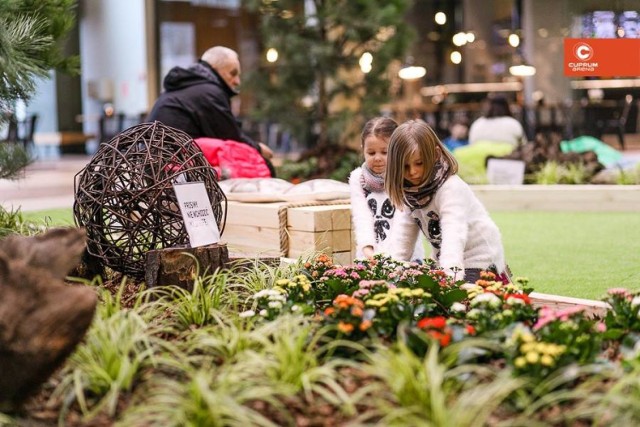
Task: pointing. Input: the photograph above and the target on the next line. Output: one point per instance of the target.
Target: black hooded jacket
(198, 101)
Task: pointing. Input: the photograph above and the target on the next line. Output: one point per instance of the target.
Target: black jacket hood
(199, 73)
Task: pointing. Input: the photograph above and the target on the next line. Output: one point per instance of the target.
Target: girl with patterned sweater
(421, 179)
(373, 214)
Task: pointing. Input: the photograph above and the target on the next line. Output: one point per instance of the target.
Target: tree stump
(179, 266)
(42, 319)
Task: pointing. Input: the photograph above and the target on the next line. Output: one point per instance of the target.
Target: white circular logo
(583, 51)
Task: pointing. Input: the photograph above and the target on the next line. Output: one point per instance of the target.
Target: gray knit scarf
(371, 181)
(419, 196)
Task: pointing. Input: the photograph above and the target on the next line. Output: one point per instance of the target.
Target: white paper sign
(197, 213)
(505, 172)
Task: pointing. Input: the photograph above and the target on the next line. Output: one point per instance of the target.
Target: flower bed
(377, 342)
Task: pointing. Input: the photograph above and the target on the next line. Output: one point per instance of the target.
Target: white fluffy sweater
(374, 220)
(496, 129)
(458, 228)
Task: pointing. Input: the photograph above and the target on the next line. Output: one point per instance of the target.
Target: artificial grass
(577, 254)
(52, 217)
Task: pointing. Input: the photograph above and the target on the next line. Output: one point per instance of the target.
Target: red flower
(471, 330)
(438, 322)
(444, 338)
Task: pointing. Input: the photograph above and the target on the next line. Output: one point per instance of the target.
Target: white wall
(113, 48)
(44, 105)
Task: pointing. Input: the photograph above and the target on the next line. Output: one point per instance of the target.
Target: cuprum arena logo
(583, 52)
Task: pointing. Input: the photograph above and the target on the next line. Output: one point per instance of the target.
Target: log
(179, 266)
(42, 319)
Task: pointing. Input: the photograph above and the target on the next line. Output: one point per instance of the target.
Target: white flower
(295, 308)
(248, 313)
(275, 304)
(490, 299)
(635, 302)
(473, 314)
(458, 307)
(266, 293)
(515, 301)
(469, 286)
(263, 312)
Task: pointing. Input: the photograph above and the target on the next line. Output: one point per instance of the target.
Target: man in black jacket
(197, 100)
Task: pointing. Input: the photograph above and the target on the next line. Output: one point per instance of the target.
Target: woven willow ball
(124, 196)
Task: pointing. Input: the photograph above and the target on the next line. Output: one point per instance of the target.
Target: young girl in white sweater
(421, 179)
(374, 216)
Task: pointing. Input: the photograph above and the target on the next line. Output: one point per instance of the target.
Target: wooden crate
(254, 229)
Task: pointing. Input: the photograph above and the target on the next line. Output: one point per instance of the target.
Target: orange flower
(483, 283)
(346, 301)
(366, 324)
(323, 258)
(357, 311)
(487, 275)
(329, 311)
(347, 328)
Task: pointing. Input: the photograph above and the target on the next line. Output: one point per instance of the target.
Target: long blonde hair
(411, 137)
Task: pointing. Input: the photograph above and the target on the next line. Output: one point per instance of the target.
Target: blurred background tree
(31, 36)
(334, 67)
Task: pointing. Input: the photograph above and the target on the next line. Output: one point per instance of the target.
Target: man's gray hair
(217, 56)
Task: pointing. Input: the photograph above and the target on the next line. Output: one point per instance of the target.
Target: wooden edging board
(559, 302)
(565, 198)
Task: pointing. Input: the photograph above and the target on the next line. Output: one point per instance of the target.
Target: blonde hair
(219, 56)
(413, 136)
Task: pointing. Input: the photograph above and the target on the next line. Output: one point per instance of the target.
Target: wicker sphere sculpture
(124, 196)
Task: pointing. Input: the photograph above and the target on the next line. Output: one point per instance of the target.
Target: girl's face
(414, 169)
(375, 153)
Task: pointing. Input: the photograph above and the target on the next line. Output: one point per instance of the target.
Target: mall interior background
(126, 47)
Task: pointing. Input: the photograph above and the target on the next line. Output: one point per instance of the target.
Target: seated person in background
(498, 125)
(197, 100)
(459, 135)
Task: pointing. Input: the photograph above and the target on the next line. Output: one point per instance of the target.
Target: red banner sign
(602, 57)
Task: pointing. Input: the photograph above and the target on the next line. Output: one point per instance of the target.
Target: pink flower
(601, 327)
(621, 292)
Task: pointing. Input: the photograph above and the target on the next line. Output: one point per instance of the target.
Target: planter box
(255, 229)
(566, 198)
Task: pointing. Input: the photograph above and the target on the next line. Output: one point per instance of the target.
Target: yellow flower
(527, 347)
(546, 360)
(525, 337)
(282, 282)
(519, 362)
(532, 357)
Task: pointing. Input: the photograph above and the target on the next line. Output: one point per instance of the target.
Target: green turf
(54, 217)
(578, 254)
